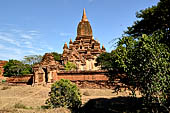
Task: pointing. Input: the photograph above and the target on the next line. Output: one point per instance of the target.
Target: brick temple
(82, 52)
(85, 49)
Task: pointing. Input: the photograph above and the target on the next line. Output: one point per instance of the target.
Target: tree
(155, 18)
(57, 56)
(70, 66)
(145, 62)
(64, 94)
(15, 68)
(32, 59)
(104, 60)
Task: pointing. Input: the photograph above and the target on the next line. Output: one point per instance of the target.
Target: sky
(35, 27)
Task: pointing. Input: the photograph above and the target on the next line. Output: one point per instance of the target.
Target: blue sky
(33, 27)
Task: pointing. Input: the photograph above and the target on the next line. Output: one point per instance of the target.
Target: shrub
(70, 66)
(20, 106)
(5, 88)
(64, 94)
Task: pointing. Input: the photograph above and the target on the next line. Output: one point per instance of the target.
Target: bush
(70, 66)
(20, 106)
(64, 94)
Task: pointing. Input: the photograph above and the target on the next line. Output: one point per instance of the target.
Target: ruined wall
(91, 79)
(85, 79)
(82, 75)
(2, 63)
(24, 79)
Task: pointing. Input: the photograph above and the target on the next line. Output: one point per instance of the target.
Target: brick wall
(24, 79)
(90, 79)
(86, 79)
(82, 75)
(2, 63)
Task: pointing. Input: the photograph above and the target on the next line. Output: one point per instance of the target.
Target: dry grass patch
(5, 88)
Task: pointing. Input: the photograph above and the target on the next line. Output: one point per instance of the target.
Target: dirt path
(21, 98)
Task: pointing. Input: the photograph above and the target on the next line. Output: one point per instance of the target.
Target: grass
(45, 107)
(86, 93)
(22, 106)
(5, 88)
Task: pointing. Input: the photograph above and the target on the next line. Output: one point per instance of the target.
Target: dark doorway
(93, 46)
(46, 74)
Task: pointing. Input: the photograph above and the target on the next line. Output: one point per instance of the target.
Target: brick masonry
(2, 63)
(83, 79)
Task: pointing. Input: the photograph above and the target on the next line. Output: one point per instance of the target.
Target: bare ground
(30, 99)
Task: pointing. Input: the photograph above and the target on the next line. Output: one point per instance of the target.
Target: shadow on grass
(120, 105)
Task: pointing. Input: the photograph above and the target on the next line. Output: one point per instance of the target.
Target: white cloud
(50, 48)
(11, 50)
(39, 49)
(17, 43)
(28, 44)
(16, 30)
(9, 40)
(33, 31)
(25, 36)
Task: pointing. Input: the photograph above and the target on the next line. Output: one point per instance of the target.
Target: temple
(82, 52)
(85, 49)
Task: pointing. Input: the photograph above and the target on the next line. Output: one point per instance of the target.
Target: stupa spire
(84, 17)
(65, 46)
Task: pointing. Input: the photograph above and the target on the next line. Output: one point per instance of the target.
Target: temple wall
(23, 79)
(86, 79)
(82, 75)
(2, 63)
(83, 79)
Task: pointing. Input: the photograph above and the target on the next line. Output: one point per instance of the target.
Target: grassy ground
(28, 99)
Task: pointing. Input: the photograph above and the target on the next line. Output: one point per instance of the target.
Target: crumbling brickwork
(2, 63)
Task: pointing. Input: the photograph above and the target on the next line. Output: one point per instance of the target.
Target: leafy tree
(32, 59)
(155, 18)
(70, 66)
(57, 56)
(29, 62)
(64, 94)
(145, 62)
(104, 60)
(15, 68)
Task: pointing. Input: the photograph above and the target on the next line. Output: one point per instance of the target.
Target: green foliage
(155, 18)
(70, 66)
(146, 63)
(104, 60)
(57, 56)
(20, 106)
(64, 94)
(15, 68)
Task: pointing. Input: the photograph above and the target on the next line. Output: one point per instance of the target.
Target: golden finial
(84, 17)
